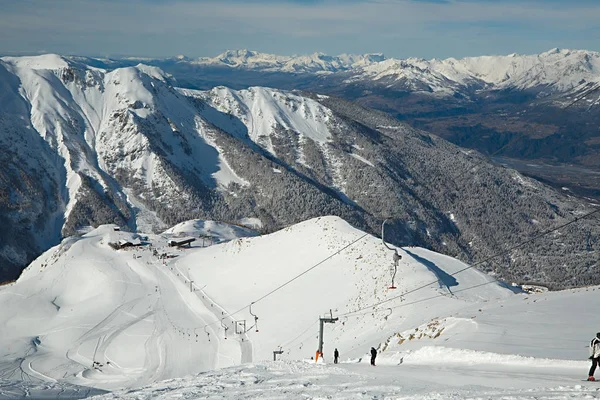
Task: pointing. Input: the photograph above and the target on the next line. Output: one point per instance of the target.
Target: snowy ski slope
(86, 314)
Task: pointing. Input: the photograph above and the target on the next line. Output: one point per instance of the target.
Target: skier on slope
(373, 355)
(594, 356)
(336, 355)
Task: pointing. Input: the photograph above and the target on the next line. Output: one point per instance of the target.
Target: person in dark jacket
(336, 355)
(373, 355)
(594, 356)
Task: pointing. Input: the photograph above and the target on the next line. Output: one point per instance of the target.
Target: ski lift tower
(275, 352)
(329, 320)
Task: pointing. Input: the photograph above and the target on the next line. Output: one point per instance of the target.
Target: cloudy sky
(398, 28)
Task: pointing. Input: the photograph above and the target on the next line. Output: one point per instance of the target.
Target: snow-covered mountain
(312, 63)
(550, 72)
(85, 146)
(88, 315)
(557, 70)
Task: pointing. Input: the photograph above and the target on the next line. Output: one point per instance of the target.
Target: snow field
(132, 312)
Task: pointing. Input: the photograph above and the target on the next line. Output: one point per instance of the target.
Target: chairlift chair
(255, 317)
(397, 257)
(225, 327)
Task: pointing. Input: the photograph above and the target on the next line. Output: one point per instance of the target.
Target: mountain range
(542, 106)
(85, 146)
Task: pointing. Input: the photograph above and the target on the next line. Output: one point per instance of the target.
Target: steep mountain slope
(126, 147)
(545, 100)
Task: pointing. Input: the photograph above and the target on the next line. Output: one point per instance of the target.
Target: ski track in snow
(307, 380)
(132, 311)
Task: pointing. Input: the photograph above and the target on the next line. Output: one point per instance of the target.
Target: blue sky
(397, 28)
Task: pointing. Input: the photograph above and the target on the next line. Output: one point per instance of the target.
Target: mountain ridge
(126, 147)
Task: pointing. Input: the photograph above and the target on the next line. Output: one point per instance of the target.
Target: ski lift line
(358, 312)
(290, 342)
(311, 268)
(397, 256)
(290, 280)
(479, 262)
(255, 317)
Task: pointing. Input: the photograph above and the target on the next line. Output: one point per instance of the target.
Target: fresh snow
(217, 231)
(263, 112)
(446, 332)
(312, 63)
(557, 70)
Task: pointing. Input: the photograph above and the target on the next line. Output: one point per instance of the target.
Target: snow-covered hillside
(89, 315)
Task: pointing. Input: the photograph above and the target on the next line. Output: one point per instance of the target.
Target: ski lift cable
(362, 311)
(480, 262)
(290, 342)
(292, 279)
(311, 268)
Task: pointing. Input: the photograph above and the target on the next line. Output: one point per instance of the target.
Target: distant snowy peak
(312, 63)
(555, 70)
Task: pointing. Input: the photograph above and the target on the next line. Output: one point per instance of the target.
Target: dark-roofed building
(179, 242)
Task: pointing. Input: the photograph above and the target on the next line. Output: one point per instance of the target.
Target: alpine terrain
(539, 109)
(85, 146)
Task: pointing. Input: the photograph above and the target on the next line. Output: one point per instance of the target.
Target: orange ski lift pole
(255, 318)
(397, 257)
(225, 327)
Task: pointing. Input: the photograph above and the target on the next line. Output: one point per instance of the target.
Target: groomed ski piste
(115, 312)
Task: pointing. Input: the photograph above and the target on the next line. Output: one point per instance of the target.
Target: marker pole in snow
(397, 257)
(191, 287)
(322, 321)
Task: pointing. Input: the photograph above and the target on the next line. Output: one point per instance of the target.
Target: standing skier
(373, 355)
(594, 355)
(336, 355)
